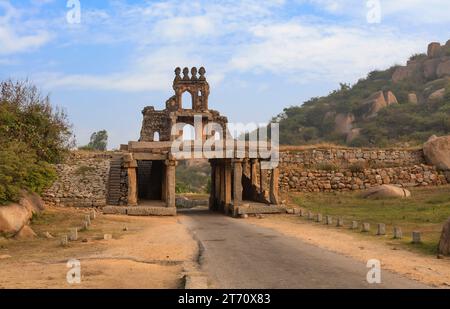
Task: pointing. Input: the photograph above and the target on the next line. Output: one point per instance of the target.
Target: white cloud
(242, 36)
(303, 51)
(13, 41)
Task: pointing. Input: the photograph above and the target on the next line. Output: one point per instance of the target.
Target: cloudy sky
(260, 56)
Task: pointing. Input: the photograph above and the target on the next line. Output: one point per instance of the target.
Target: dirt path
(429, 270)
(152, 253)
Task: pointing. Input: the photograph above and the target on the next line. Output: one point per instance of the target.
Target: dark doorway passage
(150, 175)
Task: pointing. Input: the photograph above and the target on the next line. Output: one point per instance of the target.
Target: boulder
(434, 50)
(437, 152)
(32, 202)
(412, 98)
(12, 218)
(443, 69)
(344, 123)
(25, 233)
(437, 95)
(386, 191)
(400, 74)
(391, 98)
(429, 68)
(377, 102)
(444, 242)
(16, 215)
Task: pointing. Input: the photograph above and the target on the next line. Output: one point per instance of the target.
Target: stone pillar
(254, 172)
(130, 164)
(274, 179)
(170, 182)
(132, 185)
(228, 181)
(218, 190)
(237, 182)
(212, 193)
(263, 183)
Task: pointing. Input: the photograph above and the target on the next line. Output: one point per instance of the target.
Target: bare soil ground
(412, 264)
(145, 252)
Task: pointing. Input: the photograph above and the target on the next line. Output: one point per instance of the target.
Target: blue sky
(260, 56)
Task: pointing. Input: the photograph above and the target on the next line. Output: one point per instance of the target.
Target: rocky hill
(400, 106)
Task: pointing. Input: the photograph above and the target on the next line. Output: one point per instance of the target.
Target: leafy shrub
(21, 170)
(33, 135)
(327, 166)
(357, 167)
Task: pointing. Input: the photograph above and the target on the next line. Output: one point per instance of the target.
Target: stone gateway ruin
(142, 177)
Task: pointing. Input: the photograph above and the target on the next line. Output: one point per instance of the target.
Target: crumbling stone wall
(82, 181)
(345, 169)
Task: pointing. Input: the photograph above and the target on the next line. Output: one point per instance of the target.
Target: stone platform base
(139, 211)
(258, 208)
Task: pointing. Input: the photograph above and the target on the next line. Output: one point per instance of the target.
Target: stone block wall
(345, 169)
(82, 181)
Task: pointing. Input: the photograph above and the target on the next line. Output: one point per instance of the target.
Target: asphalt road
(239, 255)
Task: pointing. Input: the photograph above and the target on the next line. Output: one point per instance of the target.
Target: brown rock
(400, 74)
(32, 202)
(412, 98)
(12, 218)
(434, 50)
(437, 95)
(429, 68)
(391, 98)
(443, 69)
(25, 233)
(437, 152)
(344, 123)
(377, 102)
(386, 191)
(444, 243)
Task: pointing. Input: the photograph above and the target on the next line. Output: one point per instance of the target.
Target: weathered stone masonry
(82, 181)
(345, 169)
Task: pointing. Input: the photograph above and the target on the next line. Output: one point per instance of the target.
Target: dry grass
(426, 212)
(328, 146)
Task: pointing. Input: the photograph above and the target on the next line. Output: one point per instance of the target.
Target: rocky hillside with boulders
(400, 106)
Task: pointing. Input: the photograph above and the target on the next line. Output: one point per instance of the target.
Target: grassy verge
(425, 211)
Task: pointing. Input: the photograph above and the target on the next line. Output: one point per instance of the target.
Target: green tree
(33, 135)
(98, 141)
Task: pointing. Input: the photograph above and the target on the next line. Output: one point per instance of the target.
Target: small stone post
(398, 232)
(340, 222)
(381, 229)
(93, 215)
(416, 237)
(319, 218)
(329, 220)
(310, 216)
(354, 225)
(87, 219)
(73, 236)
(365, 227)
(64, 240)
